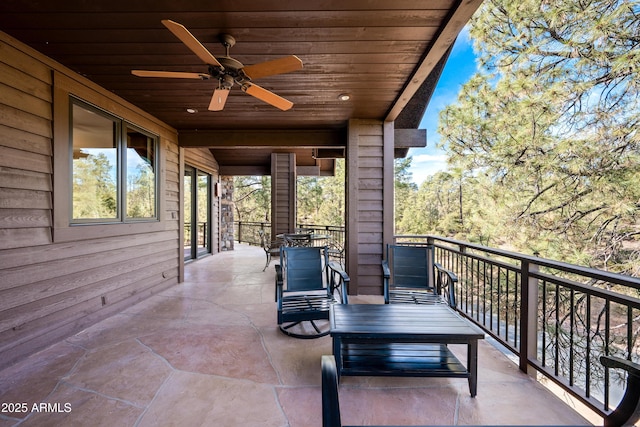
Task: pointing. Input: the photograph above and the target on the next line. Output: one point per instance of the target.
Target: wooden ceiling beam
(410, 138)
(257, 170)
(308, 170)
(264, 138)
(454, 24)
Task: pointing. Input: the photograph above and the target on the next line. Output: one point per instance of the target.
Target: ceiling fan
(228, 71)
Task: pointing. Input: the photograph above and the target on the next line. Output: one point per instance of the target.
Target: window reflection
(141, 175)
(95, 166)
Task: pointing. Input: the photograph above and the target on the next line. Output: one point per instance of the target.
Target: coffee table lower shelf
(366, 358)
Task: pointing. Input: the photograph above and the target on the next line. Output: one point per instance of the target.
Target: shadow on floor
(207, 352)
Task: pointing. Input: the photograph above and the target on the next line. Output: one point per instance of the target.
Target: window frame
(64, 230)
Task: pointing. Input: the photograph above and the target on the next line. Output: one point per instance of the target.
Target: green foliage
(310, 198)
(332, 208)
(141, 197)
(94, 188)
(404, 187)
(252, 198)
(320, 199)
(543, 141)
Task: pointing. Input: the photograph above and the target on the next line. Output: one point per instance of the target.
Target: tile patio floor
(207, 352)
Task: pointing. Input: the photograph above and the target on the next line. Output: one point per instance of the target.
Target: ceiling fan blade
(170, 74)
(267, 96)
(273, 67)
(218, 99)
(181, 32)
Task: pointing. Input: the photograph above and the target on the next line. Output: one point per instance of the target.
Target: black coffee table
(403, 340)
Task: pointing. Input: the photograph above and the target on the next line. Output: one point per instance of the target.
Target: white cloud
(425, 165)
(429, 158)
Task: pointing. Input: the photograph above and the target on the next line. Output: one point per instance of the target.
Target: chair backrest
(303, 267)
(409, 266)
(297, 239)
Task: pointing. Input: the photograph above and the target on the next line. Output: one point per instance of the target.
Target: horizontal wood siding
(365, 205)
(51, 289)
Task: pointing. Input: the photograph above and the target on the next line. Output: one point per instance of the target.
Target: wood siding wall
(51, 288)
(283, 193)
(369, 211)
(202, 159)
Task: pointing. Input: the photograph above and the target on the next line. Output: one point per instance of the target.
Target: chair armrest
(386, 275)
(617, 362)
(446, 283)
(628, 410)
(279, 285)
(330, 400)
(344, 280)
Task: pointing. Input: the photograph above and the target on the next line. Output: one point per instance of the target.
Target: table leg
(472, 366)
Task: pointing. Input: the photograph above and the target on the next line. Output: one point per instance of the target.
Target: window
(113, 169)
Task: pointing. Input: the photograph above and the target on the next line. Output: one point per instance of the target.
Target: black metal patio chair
(306, 284)
(336, 251)
(271, 248)
(410, 277)
(627, 412)
(330, 399)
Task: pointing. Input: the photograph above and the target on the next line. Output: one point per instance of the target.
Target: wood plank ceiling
(380, 52)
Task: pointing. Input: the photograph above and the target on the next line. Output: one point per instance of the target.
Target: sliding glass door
(197, 213)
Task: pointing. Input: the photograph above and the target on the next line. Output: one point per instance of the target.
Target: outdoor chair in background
(336, 252)
(446, 284)
(271, 248)
(409, 277)
(305, 286)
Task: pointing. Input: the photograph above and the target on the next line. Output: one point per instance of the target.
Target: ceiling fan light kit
(228, 71)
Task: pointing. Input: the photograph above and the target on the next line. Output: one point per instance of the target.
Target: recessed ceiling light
(191, 110)
(344, 97)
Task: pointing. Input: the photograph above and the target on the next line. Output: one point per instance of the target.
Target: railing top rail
(588, 289)
(606, 276)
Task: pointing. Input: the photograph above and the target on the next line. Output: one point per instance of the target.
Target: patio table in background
(303, 239)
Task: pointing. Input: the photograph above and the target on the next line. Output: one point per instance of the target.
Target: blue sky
(459, 68)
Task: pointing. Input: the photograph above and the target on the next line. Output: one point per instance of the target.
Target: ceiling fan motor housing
(230, 71)
(226, 81)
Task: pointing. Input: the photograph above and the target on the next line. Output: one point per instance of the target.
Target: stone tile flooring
(207, 352)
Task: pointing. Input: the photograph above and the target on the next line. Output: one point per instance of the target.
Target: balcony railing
(201, 234)
(556, 318)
